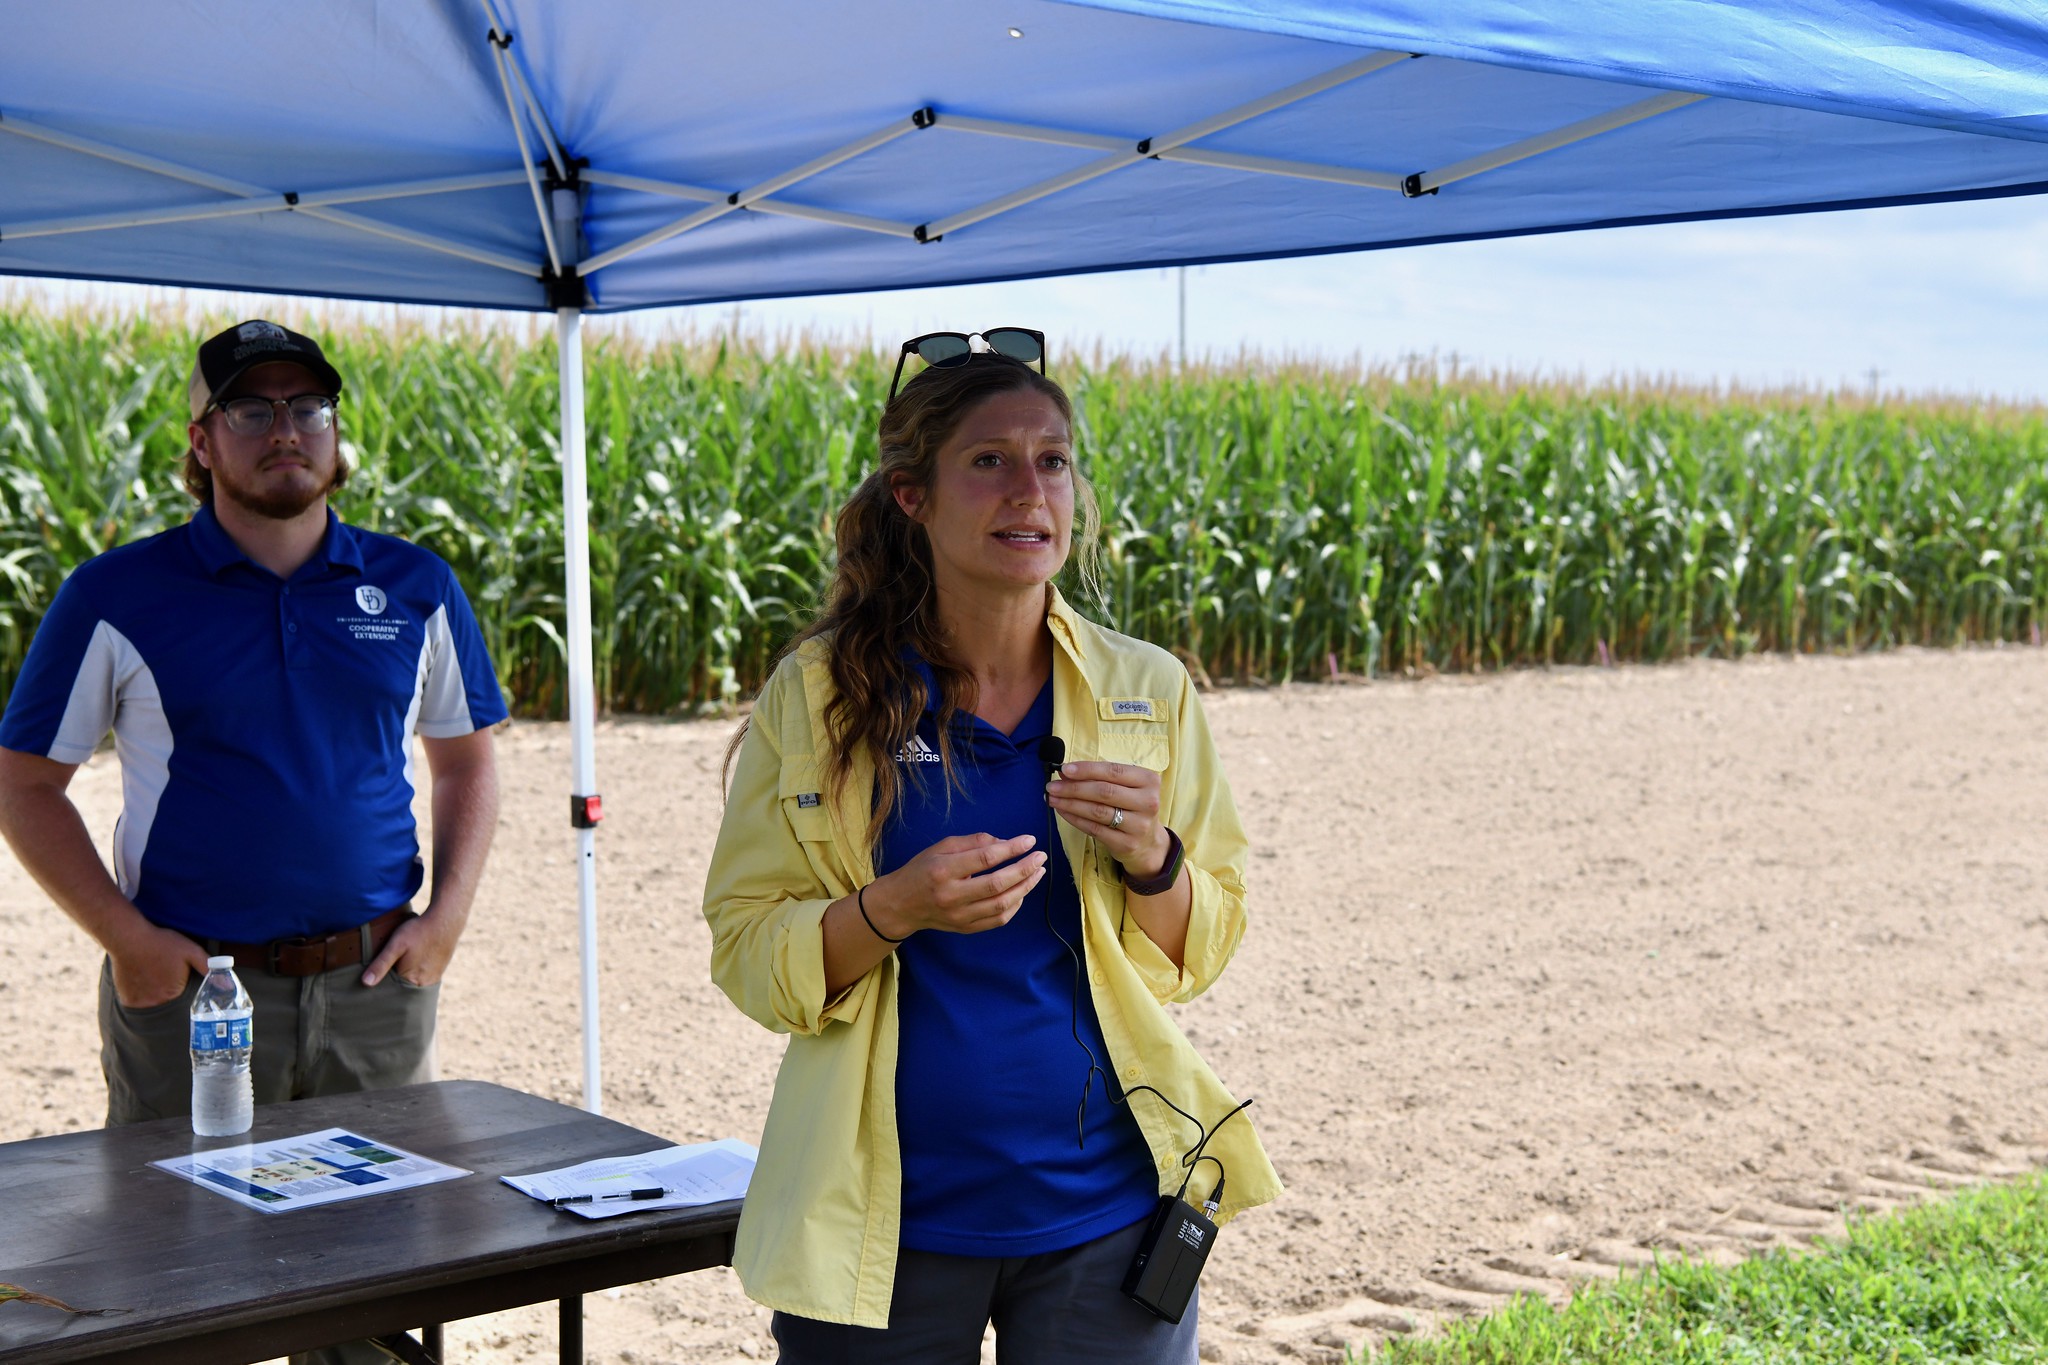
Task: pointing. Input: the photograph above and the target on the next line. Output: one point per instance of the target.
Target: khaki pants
(314, 1035)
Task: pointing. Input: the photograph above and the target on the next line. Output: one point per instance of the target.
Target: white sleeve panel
(95, 694)
(142, 741)
(442, 704)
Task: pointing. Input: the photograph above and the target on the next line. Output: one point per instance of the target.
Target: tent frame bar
(1194, 156)
(748, 197)
(427, 241)
(1413, 186)
(243, 190)
(540, 206)
(1295, 170)
(276, 203)
(502, 38)
(187, 213)
(140, 161)
(781, 207)
(556, 152)
(1155, 146)
(1427, 181)
(1032, 132)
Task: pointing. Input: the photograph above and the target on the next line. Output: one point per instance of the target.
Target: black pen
(655, 1193)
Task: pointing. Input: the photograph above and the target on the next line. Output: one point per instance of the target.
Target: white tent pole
(1180, 363)
(582, 688)
(561, 213)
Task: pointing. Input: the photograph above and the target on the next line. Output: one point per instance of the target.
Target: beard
(279, 502)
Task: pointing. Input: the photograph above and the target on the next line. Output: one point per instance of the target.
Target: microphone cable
(1052, 754)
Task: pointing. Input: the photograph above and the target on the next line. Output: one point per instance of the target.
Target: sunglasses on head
(943, 349)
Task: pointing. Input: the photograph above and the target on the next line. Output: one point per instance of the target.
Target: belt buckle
(278, 945)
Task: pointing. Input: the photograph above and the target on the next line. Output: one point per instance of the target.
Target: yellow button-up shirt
(818, 1237)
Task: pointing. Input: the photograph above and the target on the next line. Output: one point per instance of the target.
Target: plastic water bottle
(223, 1035)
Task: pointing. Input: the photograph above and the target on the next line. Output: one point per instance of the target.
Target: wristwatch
(1176, 854)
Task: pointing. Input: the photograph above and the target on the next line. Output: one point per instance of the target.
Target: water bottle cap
(213, 963)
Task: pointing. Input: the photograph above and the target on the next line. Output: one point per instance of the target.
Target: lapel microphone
(1052, 752)
(1161, 1278)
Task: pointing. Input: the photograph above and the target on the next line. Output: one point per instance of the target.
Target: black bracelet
(1176, 854)
(860, 900)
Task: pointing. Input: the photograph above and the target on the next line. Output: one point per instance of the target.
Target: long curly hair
(880, 614)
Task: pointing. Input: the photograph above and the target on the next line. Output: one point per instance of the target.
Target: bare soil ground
(1547, 971)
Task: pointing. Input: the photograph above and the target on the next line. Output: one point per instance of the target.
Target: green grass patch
(1963, 1280)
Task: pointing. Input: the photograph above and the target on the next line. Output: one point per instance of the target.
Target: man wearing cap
(264, 669)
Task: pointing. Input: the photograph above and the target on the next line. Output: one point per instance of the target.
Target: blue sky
(1950, 298)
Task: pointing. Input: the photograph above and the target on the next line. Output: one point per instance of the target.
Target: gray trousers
(1058, 1308)
(315, 1035)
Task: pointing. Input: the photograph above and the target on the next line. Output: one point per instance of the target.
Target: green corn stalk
(1263, 521)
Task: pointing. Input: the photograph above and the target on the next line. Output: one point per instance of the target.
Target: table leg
(430, 1338)
(570, 1333)
(401, 1347)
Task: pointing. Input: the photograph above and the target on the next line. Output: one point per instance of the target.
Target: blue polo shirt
(988, 1072)
(264, 725)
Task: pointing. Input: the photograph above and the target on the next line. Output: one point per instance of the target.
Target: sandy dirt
(1545, 971)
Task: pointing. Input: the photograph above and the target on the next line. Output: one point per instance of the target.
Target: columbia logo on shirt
(917, 751)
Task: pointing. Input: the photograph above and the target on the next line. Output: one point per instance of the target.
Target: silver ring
(1116, 818)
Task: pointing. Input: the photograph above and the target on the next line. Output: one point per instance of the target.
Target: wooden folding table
(195, 1277)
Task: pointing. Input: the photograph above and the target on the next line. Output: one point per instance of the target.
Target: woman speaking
(983, 1101)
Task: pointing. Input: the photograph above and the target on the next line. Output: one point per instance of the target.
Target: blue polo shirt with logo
(264, 725)
(995, 1029)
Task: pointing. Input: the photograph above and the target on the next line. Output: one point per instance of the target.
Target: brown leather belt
(311, 956)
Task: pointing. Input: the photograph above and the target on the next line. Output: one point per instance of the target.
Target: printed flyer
(299, 1172)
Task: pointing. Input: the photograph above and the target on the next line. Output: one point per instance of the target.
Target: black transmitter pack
(1170, 1258)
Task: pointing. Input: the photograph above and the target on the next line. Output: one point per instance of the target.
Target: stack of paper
(700, 1173)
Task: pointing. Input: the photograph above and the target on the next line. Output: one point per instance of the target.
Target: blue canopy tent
(600, 155)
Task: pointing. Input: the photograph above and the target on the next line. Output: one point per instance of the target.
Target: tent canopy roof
(783, 147)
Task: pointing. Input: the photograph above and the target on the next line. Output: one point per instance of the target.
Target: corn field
(1263, 521)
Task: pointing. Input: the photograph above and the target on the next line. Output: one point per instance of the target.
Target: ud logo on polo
(371, 600)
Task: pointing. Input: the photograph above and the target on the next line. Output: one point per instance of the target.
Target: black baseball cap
(228, 356)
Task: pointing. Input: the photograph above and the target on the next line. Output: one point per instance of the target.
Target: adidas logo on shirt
(917, 751)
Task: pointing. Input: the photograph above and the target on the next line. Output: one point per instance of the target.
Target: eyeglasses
(943, 349)
(312, 413)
